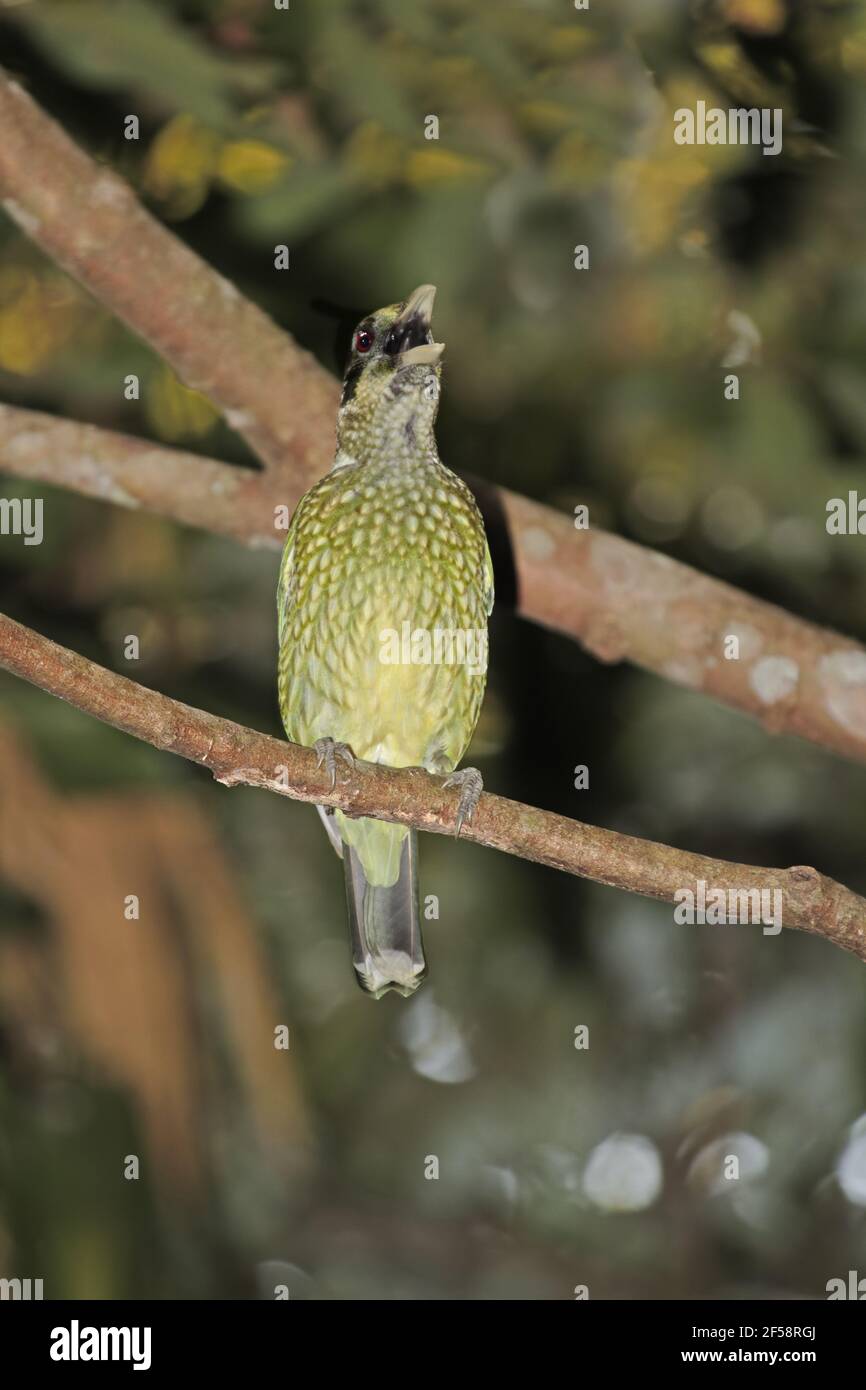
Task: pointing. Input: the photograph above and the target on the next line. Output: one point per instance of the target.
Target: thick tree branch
(235, 755)
(621, 601)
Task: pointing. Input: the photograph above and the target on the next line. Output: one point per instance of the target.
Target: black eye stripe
(350, 382)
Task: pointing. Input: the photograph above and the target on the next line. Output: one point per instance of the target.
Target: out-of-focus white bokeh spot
(732, 518)
(501, 1184)
(745, 340)
(851, 1167)
(659, 506)
(623, 1173)
(712, 1172)
(797, 539)
(436, 1046)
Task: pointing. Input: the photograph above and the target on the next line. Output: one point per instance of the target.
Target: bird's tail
(385, 923)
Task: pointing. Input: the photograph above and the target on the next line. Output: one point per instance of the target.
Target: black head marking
(344, 319)
(350, 383)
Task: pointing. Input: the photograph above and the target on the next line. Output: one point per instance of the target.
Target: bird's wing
(488, 589)
(288, 579)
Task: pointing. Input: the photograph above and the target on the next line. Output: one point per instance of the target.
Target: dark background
(605, 387)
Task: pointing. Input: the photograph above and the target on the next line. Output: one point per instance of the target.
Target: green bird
(385, 589)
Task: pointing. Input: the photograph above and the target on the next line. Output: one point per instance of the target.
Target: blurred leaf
(432, 165)
(368, 86)
(250, 166)
(180, 163)
(174, 411)
(307, 198)
(136, 44)
(38, 314)
(756, 16)
(374, 156)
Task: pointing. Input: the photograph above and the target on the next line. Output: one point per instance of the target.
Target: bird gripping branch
(385, 589)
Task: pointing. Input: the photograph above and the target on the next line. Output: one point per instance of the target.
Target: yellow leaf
(375, 155)
(250, 166)
(756, 16)
(432, 166)
(180, 164)
(545, 117)
(37, 316)
(576, 161)
(455, 75)
(568, 41)
(174, 411)
(854, 53)
(746, 82)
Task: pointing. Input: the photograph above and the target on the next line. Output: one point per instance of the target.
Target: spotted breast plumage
(385, 589)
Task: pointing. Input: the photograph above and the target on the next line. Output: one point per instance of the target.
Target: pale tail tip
(390, 970)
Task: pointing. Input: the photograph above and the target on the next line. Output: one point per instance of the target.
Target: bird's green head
(391, 383)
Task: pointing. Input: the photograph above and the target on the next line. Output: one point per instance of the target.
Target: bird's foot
(471, 785)
(327, 752)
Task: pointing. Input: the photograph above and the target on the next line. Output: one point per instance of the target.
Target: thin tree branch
(621, 601)
(410, 796)
(135, 473)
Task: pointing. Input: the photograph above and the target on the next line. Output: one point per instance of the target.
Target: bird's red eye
(363, 340)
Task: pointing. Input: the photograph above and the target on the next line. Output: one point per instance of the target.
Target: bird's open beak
(410, 341)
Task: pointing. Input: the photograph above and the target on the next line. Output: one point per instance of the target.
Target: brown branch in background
(622, 601)
(130, 472)
(410, 796)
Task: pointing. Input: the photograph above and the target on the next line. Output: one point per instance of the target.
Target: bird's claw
(471, 785)
(327, 752)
